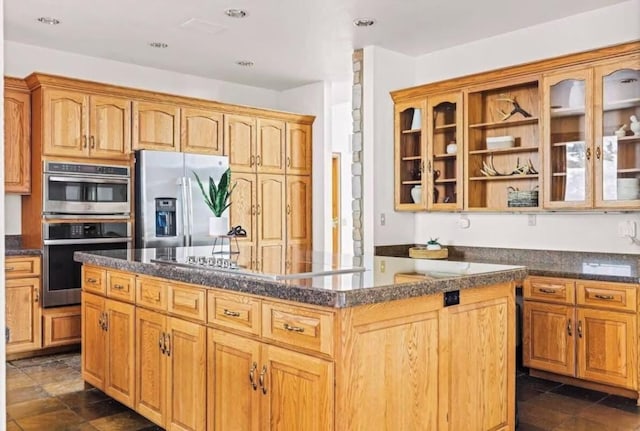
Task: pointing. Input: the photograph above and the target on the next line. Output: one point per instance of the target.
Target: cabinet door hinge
(7, 334)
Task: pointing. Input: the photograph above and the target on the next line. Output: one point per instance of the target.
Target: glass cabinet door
(410, 156)
(617, 134)
(444, 152)
(568, 140)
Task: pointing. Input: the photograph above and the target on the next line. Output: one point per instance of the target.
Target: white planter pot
(218, 226)
(416, 194)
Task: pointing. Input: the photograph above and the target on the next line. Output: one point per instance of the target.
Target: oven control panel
(78, 168)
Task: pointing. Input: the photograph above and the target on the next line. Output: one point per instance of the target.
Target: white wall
(21, 60)
(340, 140)
(315, 99)
(586, 232)
(384, 71)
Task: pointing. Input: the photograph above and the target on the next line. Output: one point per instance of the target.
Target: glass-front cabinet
(410, 155)
(592, 137)
(568, 142)
(444, 152)
(617, 134)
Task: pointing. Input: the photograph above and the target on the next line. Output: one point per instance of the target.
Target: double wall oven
(86, 207)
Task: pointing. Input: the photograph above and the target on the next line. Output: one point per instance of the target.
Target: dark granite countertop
(13, 247)
(622, 268)
(375, 284)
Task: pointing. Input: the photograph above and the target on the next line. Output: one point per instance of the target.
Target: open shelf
(622, 104)
(411, 131)
(446, 181)
(504, 124)
(509, 150)
(444, 156)
(628, 171)
(564, 144)
(445, 127)
(411, 182)
(629, 139)
(408, 158)
(505, 178)
(567, 112)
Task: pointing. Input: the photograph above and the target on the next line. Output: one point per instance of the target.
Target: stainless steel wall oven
(61, 274)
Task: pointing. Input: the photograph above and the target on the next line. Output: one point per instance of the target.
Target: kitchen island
(403, 345)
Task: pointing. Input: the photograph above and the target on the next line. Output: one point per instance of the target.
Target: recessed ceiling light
(235, 13)
(364, 22)
(48, 20)
(245, 63)
(158, 45)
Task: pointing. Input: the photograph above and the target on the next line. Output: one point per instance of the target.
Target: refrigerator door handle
(185, 203)
(189, 212)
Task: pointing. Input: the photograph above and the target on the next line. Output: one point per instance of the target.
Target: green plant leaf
(217, 198)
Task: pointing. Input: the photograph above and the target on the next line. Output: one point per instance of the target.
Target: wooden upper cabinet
(65, 121)
(271, 208)
(270, 146)
(156, 126)
(79, 125)
(243, 204)
(298, 209)
(17, 137)
(240, 142)
(202, 132)
(298, 149)
(110, 127)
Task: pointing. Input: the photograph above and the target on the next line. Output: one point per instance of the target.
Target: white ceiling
(292, 42)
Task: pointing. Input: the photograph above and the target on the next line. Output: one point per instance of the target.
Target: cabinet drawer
(16, 267)
(151, 293)
(301, 327)
(121, 285)
(187, 301)
(234, 311)
(94, 280)
(617, 296)
(550, 289)
(62, 326)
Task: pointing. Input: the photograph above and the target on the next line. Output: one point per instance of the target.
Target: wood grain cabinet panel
(550, 289)
(298, 209)
(549, 337)
(65, 121)
(242, 212)
(151, 366)
(240, 142)
(121, 285)
(61, 326)
(151, 293)
(614, 296)
(94, 340)
(187, 301)
(156, 126)
(23, 314)
(298, 149)
(271, 222)
(270, 146)
(94, 280)
(110, 127)
(17, 137)
(202, 132)
(233, 311)
(20, 267)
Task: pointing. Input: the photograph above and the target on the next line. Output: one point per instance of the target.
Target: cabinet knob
(36, 294)
(84, 141)
(290, 328)
(92, 142)
(258, 160)
(288, 161)
(167, 344)
(598, 152)
(605, 297)
(569, 328)
(231, 313)
(288, 209)
(252, 160)
(252, 372)
(580, 328)
(545, 290)
(161, 343)
(263, 385)
(588, 153)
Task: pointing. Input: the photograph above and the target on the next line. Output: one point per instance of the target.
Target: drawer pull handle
(288, 161)
(545, 290)
(118, 286)
(569, 332)
(261, 379)
(36, 295)
(161, 343)
(231, 313)
(605, 297)
(9, 268)
(168, 344)
(252, 376)
(92, 280)
(580, 328)
(293, 328)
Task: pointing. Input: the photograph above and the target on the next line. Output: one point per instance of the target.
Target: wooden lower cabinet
(108, 329)
(171, 364)
(586, 336)
(257, 386)
(61, 326)
(23, 314)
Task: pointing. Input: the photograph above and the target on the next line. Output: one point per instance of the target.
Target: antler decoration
(517, 109)
(489, 170)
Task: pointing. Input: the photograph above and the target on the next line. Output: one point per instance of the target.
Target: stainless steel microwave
(75, 189)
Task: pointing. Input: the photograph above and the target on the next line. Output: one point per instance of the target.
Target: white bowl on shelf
(496, 142)
(628, 188)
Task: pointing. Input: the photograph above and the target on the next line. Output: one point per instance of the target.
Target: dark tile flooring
(48, 393)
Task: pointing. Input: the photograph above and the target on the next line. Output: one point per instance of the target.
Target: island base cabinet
(108, 347)
(171, 363)
(257, 386)
(413, 365)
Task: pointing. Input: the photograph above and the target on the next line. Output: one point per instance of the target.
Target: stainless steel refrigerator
(170, 209)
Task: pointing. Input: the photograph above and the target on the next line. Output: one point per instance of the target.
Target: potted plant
(217, 199)
(433, 244)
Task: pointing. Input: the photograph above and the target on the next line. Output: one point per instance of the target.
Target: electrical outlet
(383, 219)
(531, 220)
(627, 228)
(464, 222)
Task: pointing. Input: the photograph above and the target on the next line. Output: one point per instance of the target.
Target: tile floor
(48, 393)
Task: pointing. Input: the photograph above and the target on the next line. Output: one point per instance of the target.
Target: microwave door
(160, 209)
(199, 213)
